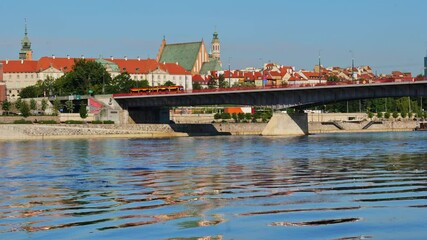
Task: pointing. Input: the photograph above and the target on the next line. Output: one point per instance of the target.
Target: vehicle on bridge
(157, 89)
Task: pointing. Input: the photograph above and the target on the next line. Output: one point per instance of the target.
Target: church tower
(26, 53)
(216, 47)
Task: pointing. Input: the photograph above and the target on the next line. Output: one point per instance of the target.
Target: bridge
(154, 107)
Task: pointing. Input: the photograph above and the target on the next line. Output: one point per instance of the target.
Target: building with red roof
(19, 74)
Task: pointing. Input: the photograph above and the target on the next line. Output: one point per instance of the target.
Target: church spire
(26, 53)
(216, 47)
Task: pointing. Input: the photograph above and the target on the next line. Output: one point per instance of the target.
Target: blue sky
(386, 34)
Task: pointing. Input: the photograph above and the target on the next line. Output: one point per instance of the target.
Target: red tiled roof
(19, 66)
(174, 69)
(63, 64)
(135, 66)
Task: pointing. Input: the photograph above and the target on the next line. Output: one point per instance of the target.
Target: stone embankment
(38, 131)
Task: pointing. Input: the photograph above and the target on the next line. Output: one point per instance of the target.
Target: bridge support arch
(283, 124)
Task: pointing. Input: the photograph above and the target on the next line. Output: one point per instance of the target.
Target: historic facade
(19, 74)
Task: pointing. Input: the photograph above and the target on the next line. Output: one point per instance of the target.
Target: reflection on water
(350, 186)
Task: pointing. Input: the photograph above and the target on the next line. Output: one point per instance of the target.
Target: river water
(337, 186)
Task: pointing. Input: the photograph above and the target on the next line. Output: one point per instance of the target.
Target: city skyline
(384, 34)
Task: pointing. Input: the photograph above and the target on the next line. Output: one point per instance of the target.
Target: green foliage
(24, 109)
(370, 114)
(122, 83)
(212, 83)
(403, 114)
(44, 104)
(86, 75)
(387, 115)
(57, 105)
(248, 116)
(73, 122)
(241, 116)
(6, 105)
(380, 114)
(235, 117)
(103, 122)
(33, 104)
(18, 103)
(333, 79)
(47, 122)
(70, 106)
(83, 111)
(395, 114)
(197, 86)
(30, 92)
(221, 82)
(217, 116)
(410, 114)
(225, 115)
(169, 83)
(22, 121)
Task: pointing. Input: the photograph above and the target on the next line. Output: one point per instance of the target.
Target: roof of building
(212, 65)
(185, 54)
(19, 66)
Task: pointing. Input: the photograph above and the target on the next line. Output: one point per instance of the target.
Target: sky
(385, 34)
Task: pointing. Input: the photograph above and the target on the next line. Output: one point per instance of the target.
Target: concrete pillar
(282, 124)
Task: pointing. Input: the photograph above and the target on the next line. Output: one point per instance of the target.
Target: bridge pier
(282, 124)
(150, 115)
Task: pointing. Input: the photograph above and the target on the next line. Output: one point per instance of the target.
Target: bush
(103, 122)
(370, 115)
(379, 115)
(387, 115)
(225, 115)
(22, 121)
(395, 115)
(217, 116)
(47, 122)
(73, 122)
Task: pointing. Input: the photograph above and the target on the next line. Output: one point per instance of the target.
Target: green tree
(70, 106)
(225, 115)
(122, 83)
(169, 83)
(30, 92)
(24, 109)
(217, 116)
(57, 105)
(86, 75)
(387, 115)
(83, 111)
(333, 78)
(33, 104)
(403, 114)
(248, 116)
(44, 104)
(235, 117)
(370, 115)
(241, 116)
(380, 114)
(6, 105)
(212, 83)
(221, 82)
(395, 115)
(197, 86)
(18, 103)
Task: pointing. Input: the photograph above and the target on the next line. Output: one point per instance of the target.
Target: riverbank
(75, 131)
